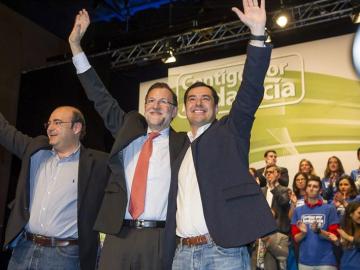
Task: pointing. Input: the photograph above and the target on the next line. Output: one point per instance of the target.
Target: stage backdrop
(311, 106)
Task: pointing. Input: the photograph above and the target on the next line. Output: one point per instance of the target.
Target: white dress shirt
(190, 219)
(159, 175)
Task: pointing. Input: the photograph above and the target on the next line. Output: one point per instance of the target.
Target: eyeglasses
(57, 123)
(161, 102)
(269, 172)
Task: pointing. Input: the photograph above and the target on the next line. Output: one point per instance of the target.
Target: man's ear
(77, 126)
(174, 113)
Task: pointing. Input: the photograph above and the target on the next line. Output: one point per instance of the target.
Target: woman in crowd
(305, 166)
(297, 196)
(346, 192)
(333, 171)
(350, 237)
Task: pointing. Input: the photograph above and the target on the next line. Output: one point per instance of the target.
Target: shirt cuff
(81, 63)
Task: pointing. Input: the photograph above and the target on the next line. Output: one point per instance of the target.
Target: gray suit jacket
(92, 179)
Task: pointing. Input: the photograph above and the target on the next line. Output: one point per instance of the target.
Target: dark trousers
(132, 249)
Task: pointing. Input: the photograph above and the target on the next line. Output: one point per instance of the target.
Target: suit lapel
(85, 167)
(176, 143)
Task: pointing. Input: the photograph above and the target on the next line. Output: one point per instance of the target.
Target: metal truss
(312, 13)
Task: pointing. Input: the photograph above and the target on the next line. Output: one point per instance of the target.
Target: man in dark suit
(132, 242)
(277, 197)
(270, 158)
(59, 191)
(216, 208)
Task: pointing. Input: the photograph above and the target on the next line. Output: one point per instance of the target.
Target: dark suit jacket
(92, 179)
(281, 206)
(235, 211)
(125, 127)
(284, 177)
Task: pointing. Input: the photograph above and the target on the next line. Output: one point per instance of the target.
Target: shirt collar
(164, 132)
(318, 203)
(74, 154)
(199, 131)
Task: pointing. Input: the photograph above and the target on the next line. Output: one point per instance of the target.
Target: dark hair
(312, 171)
(358, 152)
(348, 225)
(294, 187)
(165, 86)
(269, 151)
(340, 170)
(201, 84)
(273, 165)
(314, 178)
(78, 117)
(353, 192)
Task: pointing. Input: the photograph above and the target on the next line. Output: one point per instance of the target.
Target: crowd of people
(318, 219)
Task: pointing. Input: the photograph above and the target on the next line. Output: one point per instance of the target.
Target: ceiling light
(282, 20)
(170, 58)
(355, 17)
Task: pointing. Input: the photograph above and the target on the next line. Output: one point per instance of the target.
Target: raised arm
(105, 104)
(12, 139)
(257, 62)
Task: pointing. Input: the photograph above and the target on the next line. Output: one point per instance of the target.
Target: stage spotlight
(282, 20)
(356, 17)
(169, 58)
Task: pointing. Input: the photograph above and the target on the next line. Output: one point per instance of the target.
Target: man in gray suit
(125, 246)
(59, 192)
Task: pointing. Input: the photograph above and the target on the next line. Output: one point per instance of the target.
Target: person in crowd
(346, 192)
(334, 169)
(270, 252)
(270, 158)
(355, 174)
(297, 195)
(277, 197)
(134, 208)
(305, 166)
(59, 192)
(213, 198)
(350, 237)
(314, 227)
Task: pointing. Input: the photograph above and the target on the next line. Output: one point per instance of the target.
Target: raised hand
(292, 197)
(332, 237)
(82, 22)
(302, 226)
(345, 236)
(254, 16)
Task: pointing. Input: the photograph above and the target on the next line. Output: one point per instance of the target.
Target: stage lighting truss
(314, 12)
(311, 13)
